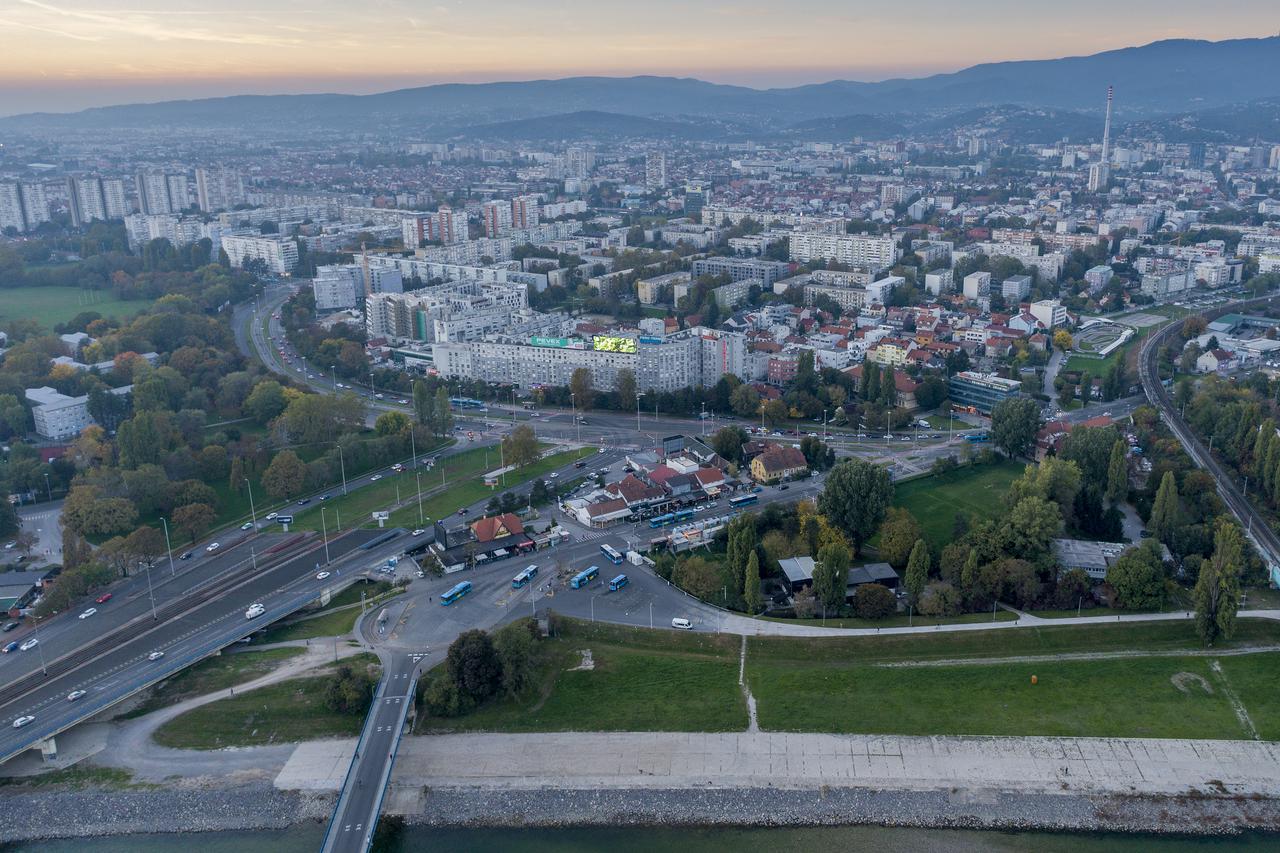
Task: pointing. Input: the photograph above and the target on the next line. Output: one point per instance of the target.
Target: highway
(1250, 519)
(197, 617)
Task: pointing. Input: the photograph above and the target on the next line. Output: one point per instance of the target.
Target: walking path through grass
(1213, 653)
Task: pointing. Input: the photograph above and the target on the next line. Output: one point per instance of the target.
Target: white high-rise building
(877, 253)
(22, 206)
(179, 193)
(219, 189)
(335, 287)
(977, 285)
(655, 170)
(84, 195)
(578, 162)
(153, 193)
(115, 201)
(280, 255)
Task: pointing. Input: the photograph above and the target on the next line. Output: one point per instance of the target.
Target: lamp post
(324, 531)
(168, 547)
(342, 464)
(417, 476)
(253, 513)
(333, 374)
(702, 419)
(638, 396)
(573, 406)
(151, 593)
(36, 633)
(48, 489)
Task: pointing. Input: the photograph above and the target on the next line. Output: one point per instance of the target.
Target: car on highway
(324, 497)
(255, 610)
(23, 720)
(418, 532)
(375, 478)
(103, 599)
(462, 511)
(321, 575)
(212, 546)
(187, 555)
(248, 525)
(554, 474)
(303, 501)
(10, 647)
(76, 694)
(88, 613)
(9, 626)
(155, 656)
(402, 402)
(272, 516)
(783, 487)
(28, 645)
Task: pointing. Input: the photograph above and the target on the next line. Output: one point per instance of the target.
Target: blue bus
(611, 554)
(584, 577)
(617, 583)
(466, 403)
(454, 594)
(743, 500)
(526, 575)
(662, 520)
(684, 514)
(977, 436)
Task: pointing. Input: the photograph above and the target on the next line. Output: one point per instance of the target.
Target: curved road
(1250, 519)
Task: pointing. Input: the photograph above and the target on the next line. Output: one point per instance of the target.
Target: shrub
(874, 601)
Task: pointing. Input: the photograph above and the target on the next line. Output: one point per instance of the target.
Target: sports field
(935, 500)
(49, 306)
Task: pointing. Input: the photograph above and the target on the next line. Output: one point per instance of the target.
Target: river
(645, 840)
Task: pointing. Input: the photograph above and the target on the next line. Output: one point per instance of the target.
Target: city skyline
(72, 54)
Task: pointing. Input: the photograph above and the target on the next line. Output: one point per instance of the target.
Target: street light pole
(36, 633)
(168, 547)
(48, 489)
(417, 476)
(324, 531)
(638, 396)
(151, 594)
(252, 511)
(702, 419)
(343, 465)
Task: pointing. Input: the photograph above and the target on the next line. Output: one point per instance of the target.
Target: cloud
(137, 23)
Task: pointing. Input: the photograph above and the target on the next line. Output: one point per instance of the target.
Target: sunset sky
(67, 54)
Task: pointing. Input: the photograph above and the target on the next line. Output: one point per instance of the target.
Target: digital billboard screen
(603, 343)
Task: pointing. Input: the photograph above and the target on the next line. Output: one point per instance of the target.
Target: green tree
(775, 413)
(898, 536)
(1014, 423)
(874, 601)
(194, 519)
(626, 388)
(580, 386)
(741, 545)
(745, 401)
(1137, 577)
(728, 443)
(473, 665)
(917, 575)
(751, 584)
(855, 498)
(266, 401)
(1031, 524)
(442, 420)
(349, 690)
(520, 446)
(1165, 511)
(424, 408)
(1090, 448)
(391, 423)
(870, 381)
(1118, 472)
(1217, 591)
(831, 575)
(515, 645)
(285, 476)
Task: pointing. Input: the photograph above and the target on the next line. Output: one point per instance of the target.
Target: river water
(641, 840)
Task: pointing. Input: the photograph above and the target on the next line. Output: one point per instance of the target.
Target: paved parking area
(764, 759)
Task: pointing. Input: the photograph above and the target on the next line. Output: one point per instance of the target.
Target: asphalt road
(207, 626)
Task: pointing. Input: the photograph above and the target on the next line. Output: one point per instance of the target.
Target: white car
(29, 645)
(375, 478)
(88, 613)
(682, 623)
(155, 656)
(212, 546)
(75, 694)
(248, 525)
(554, 474)
(272, 516)
(419, 532)
(321, 576)
(23, 720)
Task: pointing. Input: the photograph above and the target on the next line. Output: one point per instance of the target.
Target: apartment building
(875, 253)
(279, 255)
(58, 416)
(219, 189)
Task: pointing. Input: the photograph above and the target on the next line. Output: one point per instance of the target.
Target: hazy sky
(67, 54)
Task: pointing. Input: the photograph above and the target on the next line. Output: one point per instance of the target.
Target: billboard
(539, 341)
(648, 341)
(603, 343)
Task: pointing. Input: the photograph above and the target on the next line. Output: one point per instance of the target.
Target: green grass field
(336, 619)
(210, 675)
(49, 306)
(903, 620)
(641, 681)
(935, 500)
(287, 712)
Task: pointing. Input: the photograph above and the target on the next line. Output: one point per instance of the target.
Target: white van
(682, 623)
(254, 611)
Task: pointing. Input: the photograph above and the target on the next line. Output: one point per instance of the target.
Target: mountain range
(1166, 78)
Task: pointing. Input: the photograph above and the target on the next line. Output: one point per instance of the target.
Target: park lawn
(211, 675)
(934, 500)
(901, 620)
(337, 619)
(471, 490)
(1254, 679)
(1006, 642)
(1132, 697)
(654, 683)
(49, 306)
(287, 712)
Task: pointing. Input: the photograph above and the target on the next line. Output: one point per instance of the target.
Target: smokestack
(1106, 132)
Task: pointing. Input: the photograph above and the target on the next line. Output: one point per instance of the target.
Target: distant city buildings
(219, 189)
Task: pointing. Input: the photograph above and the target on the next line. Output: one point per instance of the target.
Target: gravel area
(29, 815)
(957, 808)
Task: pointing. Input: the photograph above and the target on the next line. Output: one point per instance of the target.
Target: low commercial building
(777, 464)
(981, 392)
